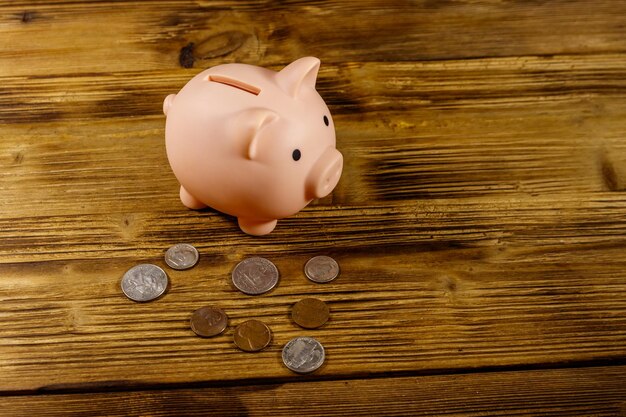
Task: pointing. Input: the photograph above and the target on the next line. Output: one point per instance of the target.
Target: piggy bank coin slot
(235, 83)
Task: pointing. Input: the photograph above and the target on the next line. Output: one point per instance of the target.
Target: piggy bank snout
(325, 174)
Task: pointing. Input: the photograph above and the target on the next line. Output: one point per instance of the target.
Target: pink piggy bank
(251, 142)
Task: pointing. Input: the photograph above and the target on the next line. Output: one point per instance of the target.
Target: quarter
(310, 313)
(181, 256)
(303, 355)
(144, 282)
(254, 276)
(321, 269)
(252, 336)
(208, 321)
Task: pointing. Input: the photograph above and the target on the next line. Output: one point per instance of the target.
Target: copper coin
(252, 336)
(310, 313)
(208, 321)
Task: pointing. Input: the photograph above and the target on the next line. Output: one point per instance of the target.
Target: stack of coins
(252, 276)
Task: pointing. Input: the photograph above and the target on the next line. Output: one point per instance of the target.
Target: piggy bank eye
(296, 155)
(326, 122)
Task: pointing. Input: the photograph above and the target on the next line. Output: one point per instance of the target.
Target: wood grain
(479, 223)
(61, 38)
(526, 300)
(597, 391)
(465, 130)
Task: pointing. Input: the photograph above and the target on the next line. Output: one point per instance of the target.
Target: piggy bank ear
(302, 72)
(250, 123)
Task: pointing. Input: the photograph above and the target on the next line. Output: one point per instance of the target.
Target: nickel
(181, 256)
(208, 321)
(310, 313)
(144, 282)
(252, 336)
(303, 355)
(321, 269)
(254, 276)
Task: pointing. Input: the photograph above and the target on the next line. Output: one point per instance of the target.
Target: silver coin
(321, 269)
(255, 276)
(181, 256)
(303, 355)
(144, 282)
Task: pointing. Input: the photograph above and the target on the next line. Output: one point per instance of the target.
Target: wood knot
(448, 284)
(19, 158)
(185, 58)
(612, 176)
(27, 17)
(214, 46)
(129, 226)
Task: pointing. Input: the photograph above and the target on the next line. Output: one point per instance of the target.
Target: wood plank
(501, 84)
(598, 391)
(495, 127)
(539, 285)
(133, 35)
(480, 222)
(538, 221)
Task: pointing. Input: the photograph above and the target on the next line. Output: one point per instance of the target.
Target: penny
(254, 276)
(181, 256)
(144, 282)
(208, 321)
(321, 269)
(252, 336)
(310, 313)
(303, 355)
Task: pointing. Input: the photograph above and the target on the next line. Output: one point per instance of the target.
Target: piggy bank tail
(167, 103)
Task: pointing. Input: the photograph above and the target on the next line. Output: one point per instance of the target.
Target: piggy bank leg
(256, 227)
(189, 200)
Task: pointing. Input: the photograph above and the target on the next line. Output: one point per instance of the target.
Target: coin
(208, 321)
(144, 282)
(310, 313)
(181, 256)
(321, 269)
(252, 336)
(255, 276)
(303, 355)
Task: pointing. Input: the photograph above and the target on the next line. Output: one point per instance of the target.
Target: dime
(252, 336)
(303, 355)
(255, 276)
(310, 313)
(181, 256)
(321, 269)
(144, 282)
(208, 321)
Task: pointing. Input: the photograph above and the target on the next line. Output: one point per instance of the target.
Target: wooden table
(480, 222)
